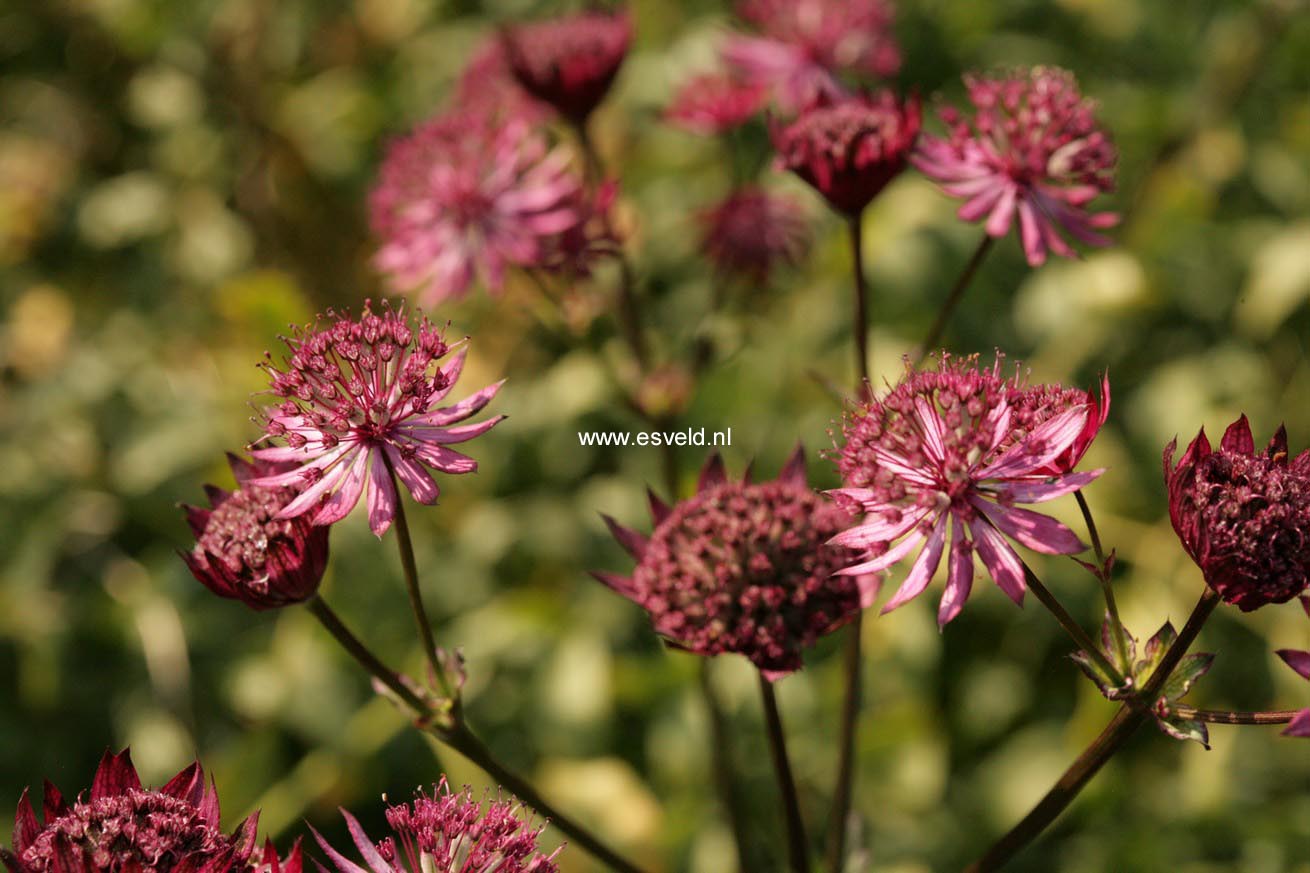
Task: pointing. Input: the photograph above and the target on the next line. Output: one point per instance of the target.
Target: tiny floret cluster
(942, 460)
(245, 550)
(569, 62)
(850, 148)
(804, 47)
(1243, 516)
(1034, 151)
(447, 832)
(120, 827)
(744, 568)
(358, 409)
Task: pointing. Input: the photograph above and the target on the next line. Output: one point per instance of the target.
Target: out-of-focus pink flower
(744, 568)
(445, 832)
(569, 62)
(1033, 149)
(120, 827)
(1243, 516)
(487, 87)
(245, 551)
(715, 103)
(804, 45)
(751, 232)
(851, 148)
(949, 450)
(359, 404)
(461, 196)
(575, 252)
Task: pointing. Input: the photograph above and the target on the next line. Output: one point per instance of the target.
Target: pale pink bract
(804, 45)
(358, 403)
(940, 461)
(1034, 151)
(465, 195)
(715, 103)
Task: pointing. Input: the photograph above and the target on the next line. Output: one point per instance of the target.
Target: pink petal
(959, 580)
(794, 472)
(880, 530)
(1000, 560)
(1299, 726)
(351, 485)
(712, 474)
(924, 568)
(342, 863)
(417, 480)
(1042, 490)
(114, 776)
(1049, 440)
(371, 855)
(1237, 439)
(381, 497)
(461, 410)
(1041, 533)
(1031, 235)
(449, 435)
(883, 561)
(998, 223)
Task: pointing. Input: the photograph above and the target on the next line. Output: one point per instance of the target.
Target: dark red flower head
(569, 62)
(751, 231)
(245, 551)
(851, 148)
(1243, 517)
(446, 832)
(744, 568)
(119, 826)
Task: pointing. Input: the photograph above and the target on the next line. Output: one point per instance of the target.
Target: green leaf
(1189, 669)
(1185, 729)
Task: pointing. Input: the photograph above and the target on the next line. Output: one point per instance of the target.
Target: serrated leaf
(1153, 652)
(1092, 671)
(1189, 669)
(1111, 648)
(1185, 729)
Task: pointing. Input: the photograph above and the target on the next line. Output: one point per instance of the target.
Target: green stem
(410, 568)
(1071, 627)
(860, 320)
(329, 619)
(952, 300)
(1094, 757)
(1111, 606)
(797, 847)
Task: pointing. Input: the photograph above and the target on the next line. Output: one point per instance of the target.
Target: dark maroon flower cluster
(569, 62)
(119, 827)
(447, 832)
(245, 551)
(744, 568)
(848, 150)
(751, 231)
(1243, 517)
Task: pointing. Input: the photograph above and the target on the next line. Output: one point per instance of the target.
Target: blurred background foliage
(179, 181)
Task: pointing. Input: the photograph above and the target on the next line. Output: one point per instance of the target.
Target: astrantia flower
(940, 461)
(806, 44)
(569, 62)
(752, 231)
(486, 86)
(1035, 404)
(850, 149)
(445, 832)
(1243, 516)
(246, 551)
(465, 195)
(714, 103)
(744, 568)
(1033, 149)
(359, 403)
(120, 826)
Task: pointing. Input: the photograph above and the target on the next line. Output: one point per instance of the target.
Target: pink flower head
(744, 568)
(445, 832)
(359, 407)
(246, 551)
(805, 44)
(487, 87)
(569, 62)
(752, 231)
(1300, 662)
(1243, 516)
(463, 195)
(850, 149)
(120, 827)
(714, 103)
(951, 449)
(1034, 148)
(1034, 404)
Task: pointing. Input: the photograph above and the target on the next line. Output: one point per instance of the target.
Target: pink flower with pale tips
(804, 45)
(463, 196)
(359, 409)
(1300, 662)
(745, 568)
(940, 463)
(569, 62)
(714, 103)
(1032, 151)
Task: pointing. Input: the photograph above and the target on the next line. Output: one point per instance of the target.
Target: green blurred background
(179, 181)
